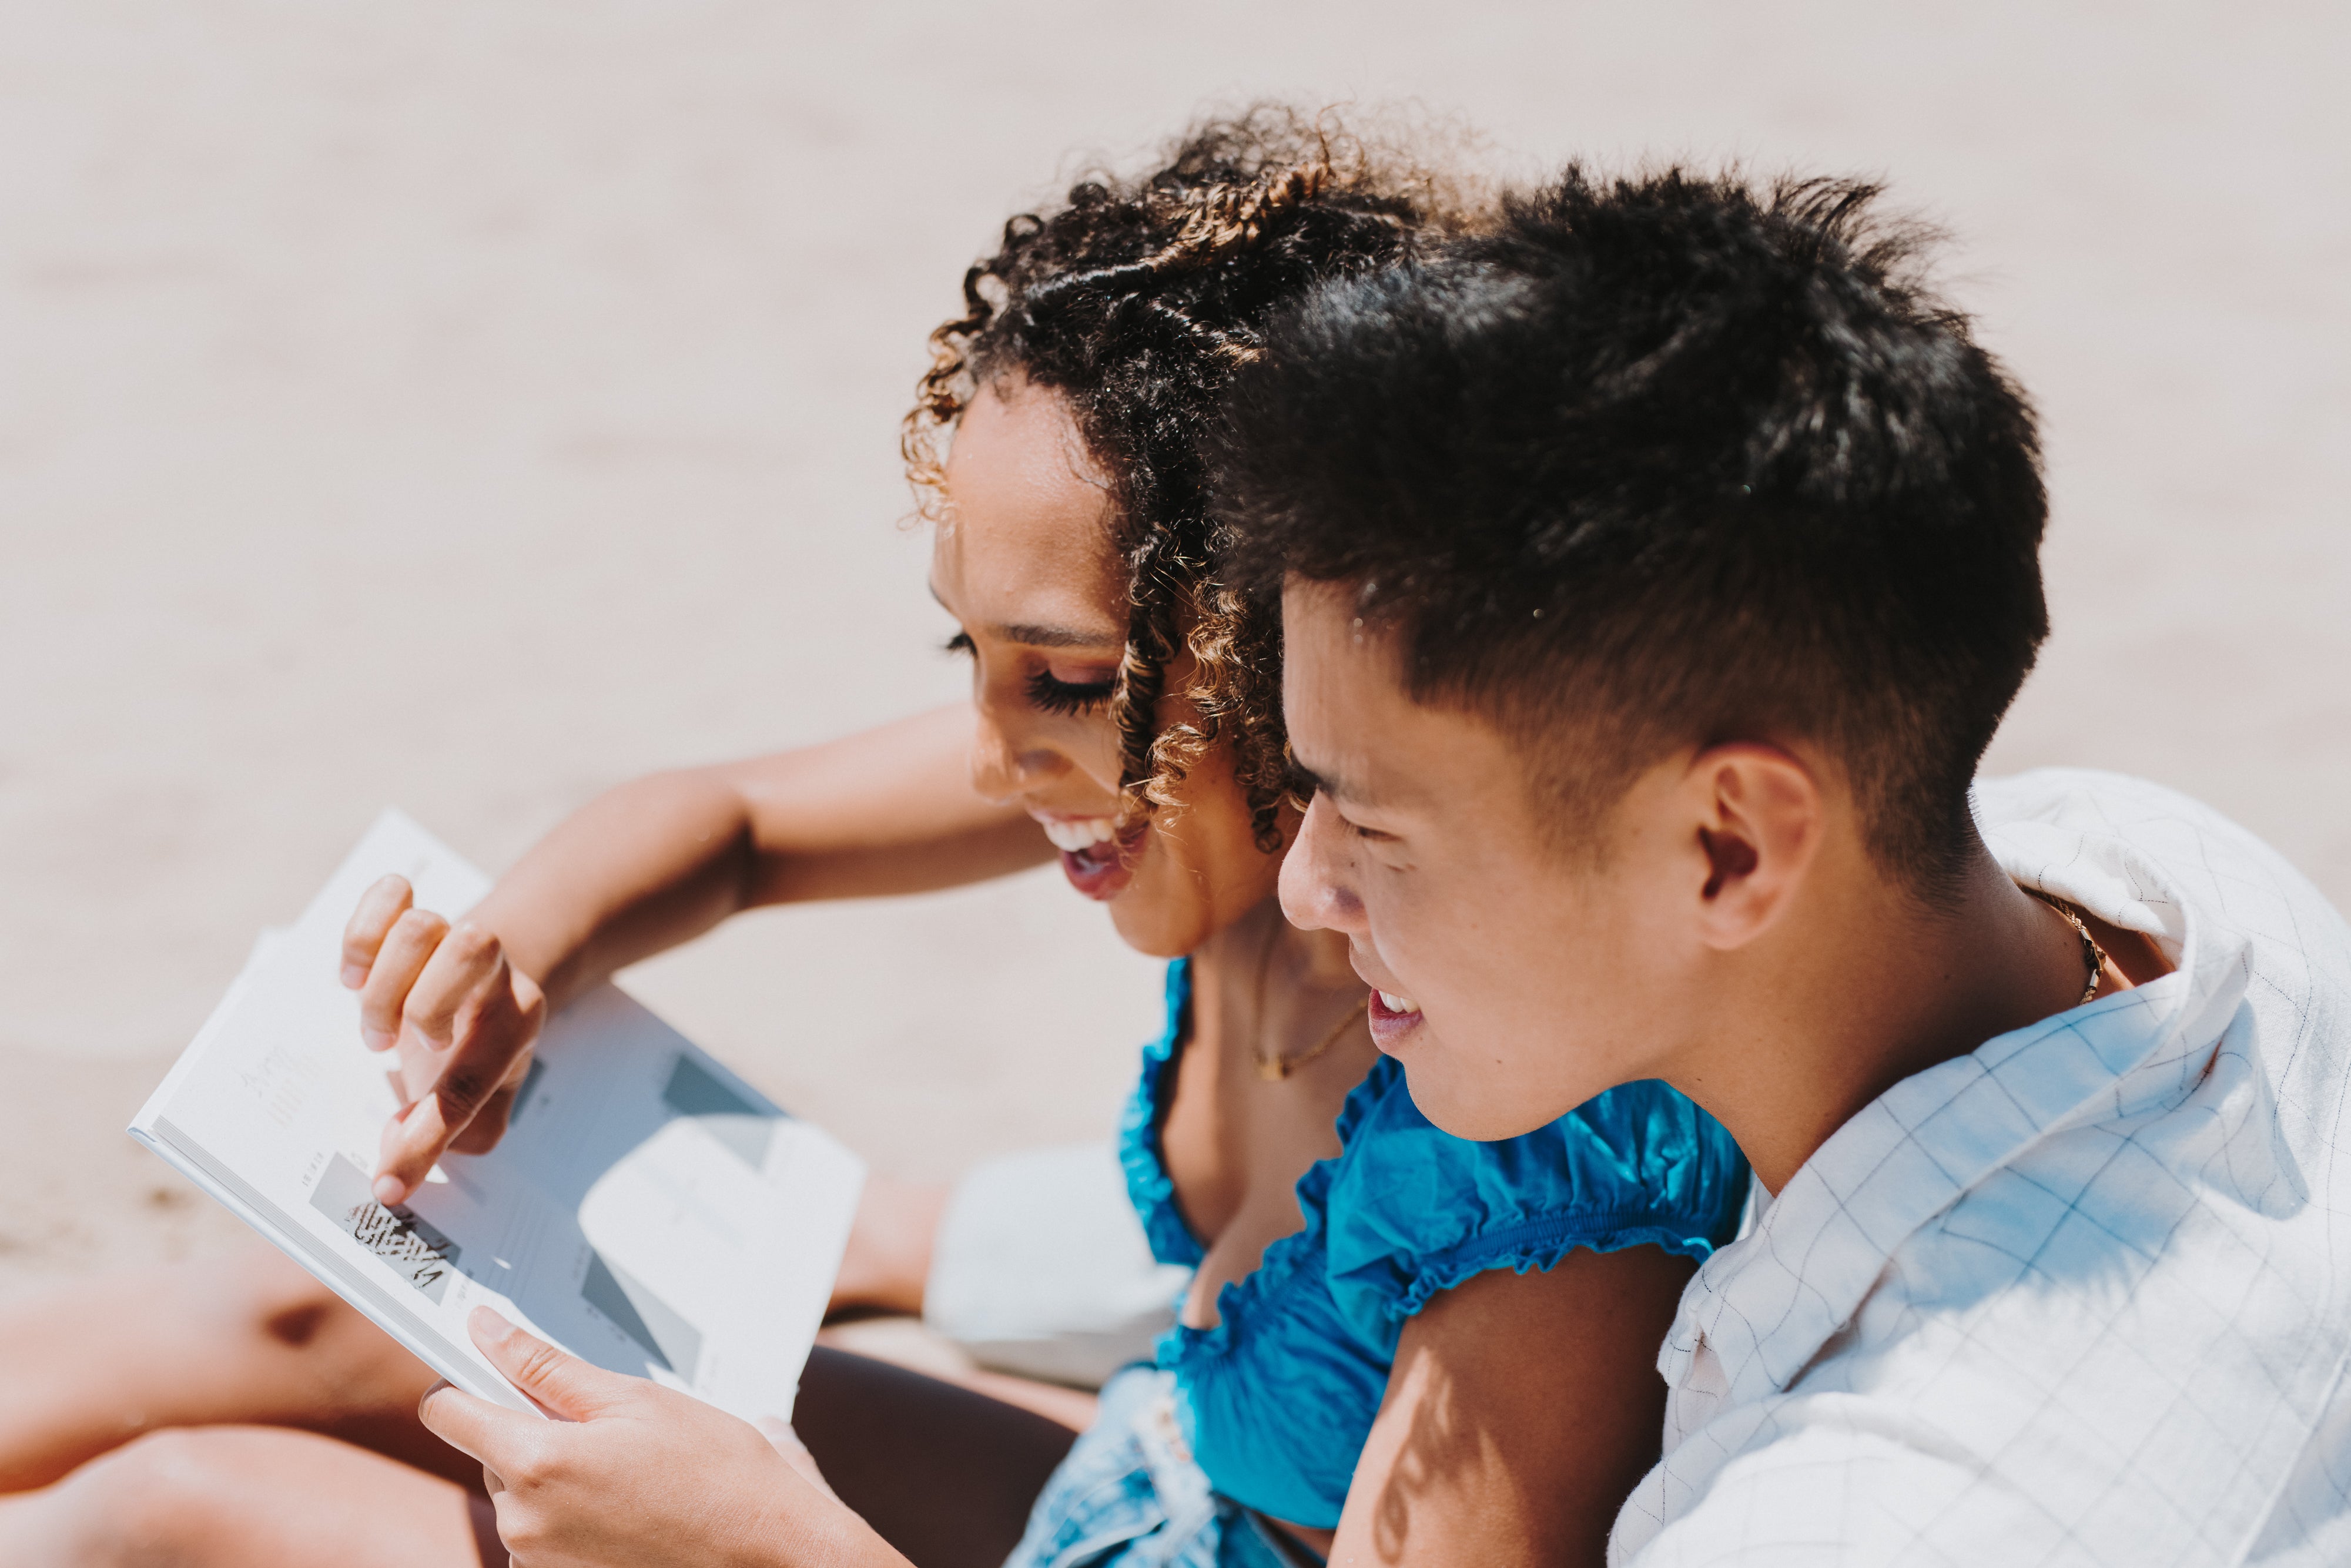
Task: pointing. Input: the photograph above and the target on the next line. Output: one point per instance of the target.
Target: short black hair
(1667, 461)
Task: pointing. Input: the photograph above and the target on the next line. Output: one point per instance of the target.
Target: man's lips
(1393, 1018)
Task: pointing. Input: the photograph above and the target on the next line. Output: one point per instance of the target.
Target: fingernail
(376, 1038)
(354, 976)
(390, 1191)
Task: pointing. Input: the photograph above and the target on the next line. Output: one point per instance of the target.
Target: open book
(647, 1211)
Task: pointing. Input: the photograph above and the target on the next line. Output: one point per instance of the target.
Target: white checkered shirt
(2083, 1296)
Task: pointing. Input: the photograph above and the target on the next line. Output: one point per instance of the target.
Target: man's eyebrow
(1304, 782)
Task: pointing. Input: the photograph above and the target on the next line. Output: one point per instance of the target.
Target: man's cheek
(1431, 969)
(1432, 954)
(1388, 923)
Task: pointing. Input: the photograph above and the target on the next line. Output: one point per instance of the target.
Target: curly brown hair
(1136, 300)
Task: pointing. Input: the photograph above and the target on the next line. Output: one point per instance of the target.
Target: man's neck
(1863, 987)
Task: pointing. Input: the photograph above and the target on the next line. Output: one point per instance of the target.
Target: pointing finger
(423, 1132)
(412, 1143)
(492, 1032)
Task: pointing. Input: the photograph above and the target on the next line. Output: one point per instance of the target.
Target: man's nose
(1315, 893)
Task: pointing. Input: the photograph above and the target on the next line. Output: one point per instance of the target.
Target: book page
(647, 1209)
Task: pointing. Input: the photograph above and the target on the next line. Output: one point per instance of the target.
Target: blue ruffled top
(1278, 1399)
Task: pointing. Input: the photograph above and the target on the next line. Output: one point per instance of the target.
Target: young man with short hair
(1653, 573)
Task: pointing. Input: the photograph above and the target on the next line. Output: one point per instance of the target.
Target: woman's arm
(663, 859)
(1522, 1410)
(640, 869)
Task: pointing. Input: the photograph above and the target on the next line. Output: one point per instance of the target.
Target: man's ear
(1759, 821)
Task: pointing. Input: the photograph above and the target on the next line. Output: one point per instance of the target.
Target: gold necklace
(1274, 1068)
(2094, 958)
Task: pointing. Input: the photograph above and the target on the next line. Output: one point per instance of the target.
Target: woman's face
(1024, 559)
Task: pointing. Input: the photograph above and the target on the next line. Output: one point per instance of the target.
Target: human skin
(1478, 1454)
(636, 1473)
(1729, 932)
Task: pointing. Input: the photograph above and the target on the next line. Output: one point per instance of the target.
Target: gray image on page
(739, 1126)
(743, 1130)
(574, 1140)
(417, 1252)
(694, 1091)
(670, 1342)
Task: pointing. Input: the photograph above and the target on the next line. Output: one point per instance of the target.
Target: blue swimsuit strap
(1148, 1185)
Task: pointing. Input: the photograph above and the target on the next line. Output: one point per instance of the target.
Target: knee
(310, 1356)
(276, 1301)
(297, 1327)
(162, 1497)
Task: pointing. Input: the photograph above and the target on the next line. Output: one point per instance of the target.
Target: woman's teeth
(1073, 835)
(1396, 1004)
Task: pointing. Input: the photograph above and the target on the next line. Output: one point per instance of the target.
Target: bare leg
(886, 1269)
(153, 1393)
(241, 1496)
(945, 1474)
(888, 1260)
(244, 1338)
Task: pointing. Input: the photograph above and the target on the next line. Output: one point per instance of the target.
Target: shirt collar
(1767, 1304)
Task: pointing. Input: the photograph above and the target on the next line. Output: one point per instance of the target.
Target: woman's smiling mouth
(1073, 835)
(1096, 856)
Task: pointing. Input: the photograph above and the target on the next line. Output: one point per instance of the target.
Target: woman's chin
(1157, 926)
(1163, 902)
(1147, 925)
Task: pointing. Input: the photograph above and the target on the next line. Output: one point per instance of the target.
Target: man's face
(1529, 980)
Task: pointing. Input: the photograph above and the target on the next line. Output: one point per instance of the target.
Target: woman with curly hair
(1391, 1342)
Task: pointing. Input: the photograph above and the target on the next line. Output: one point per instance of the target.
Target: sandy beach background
(467, 408)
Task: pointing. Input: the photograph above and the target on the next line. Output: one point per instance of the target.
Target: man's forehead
(1353, 729)
(1322, 622)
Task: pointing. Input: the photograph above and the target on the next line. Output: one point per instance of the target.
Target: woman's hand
(462, 1019)
(787, 1442)
(635, 1476)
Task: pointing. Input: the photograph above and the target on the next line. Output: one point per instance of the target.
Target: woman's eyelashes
(1050, 693)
